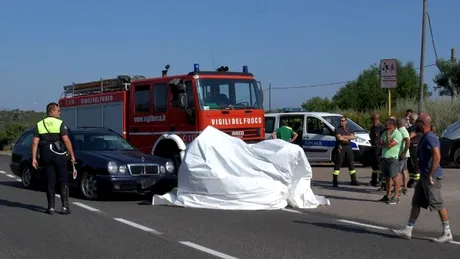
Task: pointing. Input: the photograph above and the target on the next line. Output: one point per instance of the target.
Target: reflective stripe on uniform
(414, 177)
(53, 126)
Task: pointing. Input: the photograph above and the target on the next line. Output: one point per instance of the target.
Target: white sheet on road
(223, 172)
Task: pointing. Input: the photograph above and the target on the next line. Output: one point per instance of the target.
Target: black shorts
(428, 196)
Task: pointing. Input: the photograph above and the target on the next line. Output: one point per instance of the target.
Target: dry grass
(444, 112)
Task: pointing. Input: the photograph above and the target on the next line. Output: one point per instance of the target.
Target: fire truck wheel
(88, 186)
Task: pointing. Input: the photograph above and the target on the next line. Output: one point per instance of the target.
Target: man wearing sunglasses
(52, 141)
(342, 151)
(427, 193)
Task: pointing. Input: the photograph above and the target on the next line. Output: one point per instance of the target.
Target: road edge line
(138, 226)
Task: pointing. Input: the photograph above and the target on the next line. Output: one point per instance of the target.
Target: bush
(444, 112)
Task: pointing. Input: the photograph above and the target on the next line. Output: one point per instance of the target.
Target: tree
(10, 134)
(319, 104)
(448, 78)
(365, 92)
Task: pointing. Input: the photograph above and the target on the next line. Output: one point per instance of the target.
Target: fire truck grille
(141, 169)
(243, 133)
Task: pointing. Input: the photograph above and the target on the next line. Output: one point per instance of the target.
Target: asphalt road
(123, 228)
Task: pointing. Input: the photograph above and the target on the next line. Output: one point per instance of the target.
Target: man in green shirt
(404, 154)
(391, 147)
(285, 133)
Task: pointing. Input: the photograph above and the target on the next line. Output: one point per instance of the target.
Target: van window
(269, 124)
(190, 96)
(142, 98)
(334, 120)
(316, 126)
(160, 97)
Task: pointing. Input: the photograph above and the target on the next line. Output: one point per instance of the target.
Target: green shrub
(444, 112)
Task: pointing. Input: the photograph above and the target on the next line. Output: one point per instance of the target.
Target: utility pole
(270, 95)
(452, 55)
(422, 56)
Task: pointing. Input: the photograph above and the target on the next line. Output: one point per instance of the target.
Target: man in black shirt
(375, 134)
(342, 151)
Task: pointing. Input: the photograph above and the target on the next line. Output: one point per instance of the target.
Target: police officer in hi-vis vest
(52, 141)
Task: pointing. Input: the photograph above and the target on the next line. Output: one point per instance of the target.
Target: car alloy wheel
(88, 186)
(26, 177)
(456, 158)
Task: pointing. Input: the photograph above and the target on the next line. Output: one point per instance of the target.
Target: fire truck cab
(162, 115)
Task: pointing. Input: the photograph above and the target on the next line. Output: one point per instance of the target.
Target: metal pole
(270, 96)
(422, 57)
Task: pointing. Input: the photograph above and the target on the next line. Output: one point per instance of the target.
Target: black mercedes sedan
(106, 163)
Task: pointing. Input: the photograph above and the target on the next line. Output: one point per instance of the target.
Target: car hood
(125, 157)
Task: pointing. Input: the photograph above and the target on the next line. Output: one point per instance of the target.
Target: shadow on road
(346, 228)
(114, 197)
(13, 204)
(349, 198)
(347, 188)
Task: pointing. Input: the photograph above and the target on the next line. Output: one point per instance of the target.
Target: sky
(46, 44)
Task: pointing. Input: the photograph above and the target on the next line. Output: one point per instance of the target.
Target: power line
(325, 84)
(432, 37)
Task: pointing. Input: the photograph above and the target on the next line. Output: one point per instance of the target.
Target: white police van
(316, 134)
(450, 144)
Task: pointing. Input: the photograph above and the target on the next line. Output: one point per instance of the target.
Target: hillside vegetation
(13, 123)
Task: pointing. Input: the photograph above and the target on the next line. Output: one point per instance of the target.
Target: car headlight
(113, 168)
(169, 167)
(122, 169)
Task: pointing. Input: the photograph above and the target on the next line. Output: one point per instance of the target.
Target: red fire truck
(162, 115)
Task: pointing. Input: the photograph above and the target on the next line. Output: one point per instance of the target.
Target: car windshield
(215, 94)
(334, 120)
(88, 141)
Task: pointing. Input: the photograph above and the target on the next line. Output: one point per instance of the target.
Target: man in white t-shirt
(404, 154)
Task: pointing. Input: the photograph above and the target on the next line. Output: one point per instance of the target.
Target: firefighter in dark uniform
(414, 174)
(51, 139)
(342, 151)
(375, 134)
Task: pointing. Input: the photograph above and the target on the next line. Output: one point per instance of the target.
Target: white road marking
(11, 176)
(207, 250)
(19, 180)
(293, 211)
(135, 225)
(384, 228)
(2, 172)
(84, 206)
(362, 224)
(58, 196)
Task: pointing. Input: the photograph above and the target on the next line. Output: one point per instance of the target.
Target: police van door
(271, 123)
(296, 122)
(319, 140)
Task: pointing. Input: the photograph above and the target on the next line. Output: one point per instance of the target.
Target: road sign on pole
(388, 77)
(388, 73)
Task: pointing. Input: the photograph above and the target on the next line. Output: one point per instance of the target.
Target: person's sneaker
(392, 200)
(384, 198)
(404, 191)
(50, 211)
(444, 238)
(403, 232)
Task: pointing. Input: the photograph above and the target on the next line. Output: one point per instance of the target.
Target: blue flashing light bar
(293, 110)
(196, 67)
(245, 69)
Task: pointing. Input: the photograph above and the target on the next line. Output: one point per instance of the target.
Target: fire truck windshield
(217, 93)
